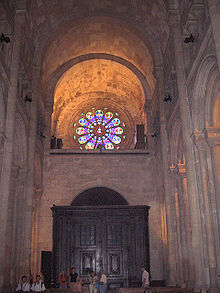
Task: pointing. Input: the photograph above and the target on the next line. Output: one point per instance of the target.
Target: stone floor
(154, 290)
(137, 290)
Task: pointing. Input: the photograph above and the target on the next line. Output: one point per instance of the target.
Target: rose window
(99, 129)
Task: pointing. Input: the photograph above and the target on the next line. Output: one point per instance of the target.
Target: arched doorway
(99, 196)
(101, 231)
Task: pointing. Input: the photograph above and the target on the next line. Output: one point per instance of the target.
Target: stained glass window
(99, 129)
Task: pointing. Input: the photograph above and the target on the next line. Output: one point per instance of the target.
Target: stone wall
(132, 175)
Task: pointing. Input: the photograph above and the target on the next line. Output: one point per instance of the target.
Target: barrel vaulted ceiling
(97, 50)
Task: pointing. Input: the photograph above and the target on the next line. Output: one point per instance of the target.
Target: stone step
(154, 290)
(133, 290)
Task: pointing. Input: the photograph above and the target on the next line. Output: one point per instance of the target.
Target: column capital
(212, 135)
(199, 139)
(158, 71)
(182, 169)
(37, 193)
(178, 169)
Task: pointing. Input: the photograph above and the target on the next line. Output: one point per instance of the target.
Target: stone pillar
(213, 160)
(171, 258)
(8, 147)
(30, 178)
(214, 12)
(48, 114)
(208, 208)
(35, 265)
(186, 232)
(16, 268)
(2, 143)
(177, 225)
(195, 216)
(10, 225)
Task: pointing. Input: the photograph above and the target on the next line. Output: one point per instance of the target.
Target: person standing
(23, 286)
(38, 286)
(63, 280)
(72, 279)
(145, 278)
(103, 282)
(93, 283)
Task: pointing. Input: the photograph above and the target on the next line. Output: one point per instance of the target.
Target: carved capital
(182, 170)
(199, 139)
(37, 193)
(212, 135)
(178, 169)
(173, 168)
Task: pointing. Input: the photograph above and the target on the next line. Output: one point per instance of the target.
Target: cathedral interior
(110, 140)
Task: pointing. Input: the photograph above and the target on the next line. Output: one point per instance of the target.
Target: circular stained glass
(99, 129)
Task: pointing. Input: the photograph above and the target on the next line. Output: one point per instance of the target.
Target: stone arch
(64, 67)
(128, 96)
(133, 22)
(97, 196)
(203, 92)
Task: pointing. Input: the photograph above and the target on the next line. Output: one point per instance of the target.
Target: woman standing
(93, 283)
(103, 282)
(63, 280)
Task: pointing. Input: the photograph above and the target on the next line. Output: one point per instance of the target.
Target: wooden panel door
(109, 238)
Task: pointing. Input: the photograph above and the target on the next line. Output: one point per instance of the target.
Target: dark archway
(99, 196)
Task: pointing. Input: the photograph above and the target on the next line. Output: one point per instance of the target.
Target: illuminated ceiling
(97, 83)
(122, 80)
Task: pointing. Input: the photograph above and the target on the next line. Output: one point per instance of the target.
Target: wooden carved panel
(115, 261)
(87, 235)
(114, 234)
(87, 262)
(111, 238)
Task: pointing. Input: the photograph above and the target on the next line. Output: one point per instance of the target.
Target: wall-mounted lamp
(27, 99)
(167, 98)
(154, 134)
(42, 135)
(189, 39)
(4, 39)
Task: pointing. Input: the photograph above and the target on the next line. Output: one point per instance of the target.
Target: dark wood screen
(93, 238)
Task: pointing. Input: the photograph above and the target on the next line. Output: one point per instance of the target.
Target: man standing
(72, 279)
(145, 278)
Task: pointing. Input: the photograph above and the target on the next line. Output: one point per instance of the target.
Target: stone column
(29, 194)
(171, 257)
(8, 147)
(186, 232)
(208, 208)
(214, 12)
(35, 266)
(176, 194)
(16, 269)
(213, 159)
(2, 143)
(195, 216)
(48, 114)
(10, 225)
